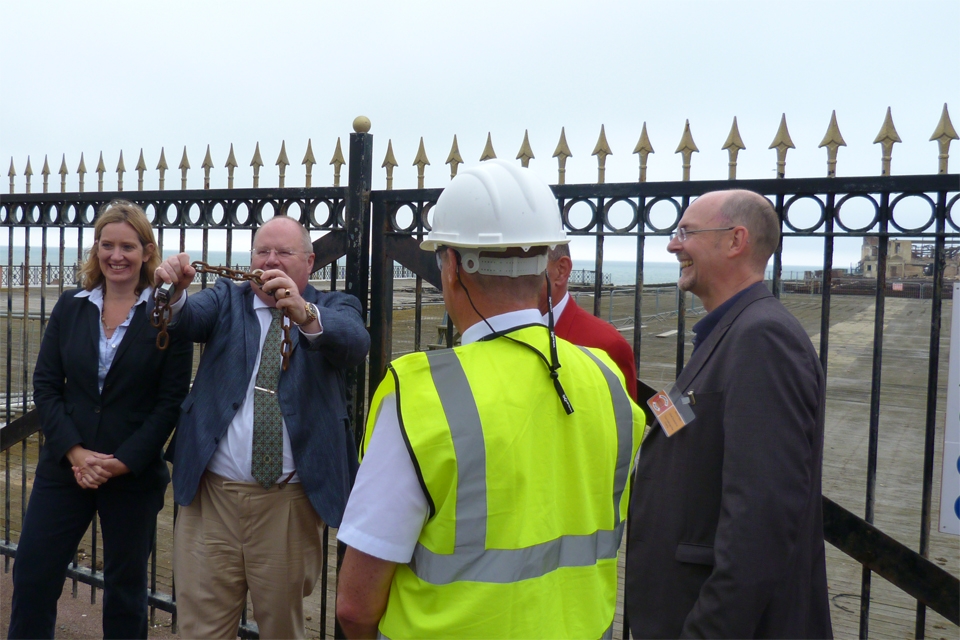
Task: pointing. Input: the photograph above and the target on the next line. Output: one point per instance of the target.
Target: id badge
(672, 410)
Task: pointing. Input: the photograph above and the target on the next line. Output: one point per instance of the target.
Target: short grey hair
(559, 251)
(753, 211)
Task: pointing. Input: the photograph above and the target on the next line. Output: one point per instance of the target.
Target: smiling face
(701, 257)
(279, 244)
(121, 255)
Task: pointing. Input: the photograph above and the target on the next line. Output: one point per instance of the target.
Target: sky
(104, 77)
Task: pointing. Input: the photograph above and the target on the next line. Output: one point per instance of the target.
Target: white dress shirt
(234, 455)
(108, 346)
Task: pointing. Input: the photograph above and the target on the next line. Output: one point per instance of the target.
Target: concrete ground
(76, 617)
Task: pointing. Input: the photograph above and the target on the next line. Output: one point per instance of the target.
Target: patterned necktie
(267, 464)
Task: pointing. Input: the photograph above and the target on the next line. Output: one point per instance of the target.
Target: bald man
(726, 532)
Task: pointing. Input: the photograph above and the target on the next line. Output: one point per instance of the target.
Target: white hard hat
(495, 206)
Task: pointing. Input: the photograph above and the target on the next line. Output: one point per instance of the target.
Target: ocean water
(625, 273)
(621, 272)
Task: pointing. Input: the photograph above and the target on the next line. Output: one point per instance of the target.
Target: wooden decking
(900, 461)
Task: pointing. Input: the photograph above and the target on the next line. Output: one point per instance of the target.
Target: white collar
(502, 322)
(96, 295)
(558, 309)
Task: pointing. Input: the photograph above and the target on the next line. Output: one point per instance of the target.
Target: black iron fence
(376, 232)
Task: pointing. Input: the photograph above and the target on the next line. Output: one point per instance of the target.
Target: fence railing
(376, 231)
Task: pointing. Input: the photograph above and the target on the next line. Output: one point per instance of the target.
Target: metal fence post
(357, 221)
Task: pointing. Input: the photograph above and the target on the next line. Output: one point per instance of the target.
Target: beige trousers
(236, 536)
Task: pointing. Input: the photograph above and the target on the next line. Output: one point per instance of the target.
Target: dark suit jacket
(138, 408)
(581, 328)
(726, 529)
(311, 392)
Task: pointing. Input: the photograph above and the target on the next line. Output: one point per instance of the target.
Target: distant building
(906, 259)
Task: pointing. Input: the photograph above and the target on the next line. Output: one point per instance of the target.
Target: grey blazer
(312, 391)
(726, 528)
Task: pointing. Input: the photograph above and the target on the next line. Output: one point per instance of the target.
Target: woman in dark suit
(108, 400)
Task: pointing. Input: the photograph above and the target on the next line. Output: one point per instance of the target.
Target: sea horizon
(622, 272)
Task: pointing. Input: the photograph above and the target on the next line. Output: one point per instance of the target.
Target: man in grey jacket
(263, 455)
(726, 528)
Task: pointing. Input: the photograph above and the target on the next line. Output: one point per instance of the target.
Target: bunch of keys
(164, 294)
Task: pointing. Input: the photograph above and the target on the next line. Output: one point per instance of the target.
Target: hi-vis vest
(527, 503)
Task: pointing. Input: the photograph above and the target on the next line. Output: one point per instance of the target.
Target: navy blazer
(311, 392)
(138, 408)
(726, 526)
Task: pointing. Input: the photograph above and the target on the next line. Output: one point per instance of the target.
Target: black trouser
(56, 519)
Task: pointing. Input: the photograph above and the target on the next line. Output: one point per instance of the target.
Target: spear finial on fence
(141, 169)
(643, 149)
(184, 167)
(782, 142)
(309, 161)
(944, 134)
(733, 146)
(389, 162)
(101, 169)
(28, 174)
(488, 152)
(206, 166)
(453, 158)
(282, 162)
(886, 139)
(420, 162)
(686, 148)
(231, 167)
(338, 161)
(832, 140)
(63, 174)
(525, 155)
(12, 173)
(120, 171)
(256, 163)
(82, 169)
(161, 167)
(601, 150)
(561, 153)
(45, 172)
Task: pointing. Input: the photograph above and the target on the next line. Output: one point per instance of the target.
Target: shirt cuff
(312, 337)
(177, 307)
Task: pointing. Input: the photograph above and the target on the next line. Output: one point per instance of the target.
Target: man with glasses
(263, 454)
(726, 531)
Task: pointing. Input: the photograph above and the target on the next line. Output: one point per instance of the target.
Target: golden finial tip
(361, 124)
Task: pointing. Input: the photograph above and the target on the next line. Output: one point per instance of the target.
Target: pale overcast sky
(107, 77)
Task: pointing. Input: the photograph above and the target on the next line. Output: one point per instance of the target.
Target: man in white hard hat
(493, 489)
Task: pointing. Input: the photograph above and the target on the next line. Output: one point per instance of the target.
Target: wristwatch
(312, 313)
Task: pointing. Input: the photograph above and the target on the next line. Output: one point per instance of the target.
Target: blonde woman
(108, 400)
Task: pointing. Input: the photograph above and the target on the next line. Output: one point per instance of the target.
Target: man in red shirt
(575, 325)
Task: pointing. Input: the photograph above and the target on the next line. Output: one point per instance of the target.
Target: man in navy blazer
(726, 527)
(233, 534)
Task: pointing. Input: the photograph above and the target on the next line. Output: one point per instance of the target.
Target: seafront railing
(375, 234)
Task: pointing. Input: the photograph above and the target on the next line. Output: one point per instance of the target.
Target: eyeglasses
(682, 233)
(264, 253)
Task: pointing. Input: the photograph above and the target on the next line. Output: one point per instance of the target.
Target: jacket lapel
(251, 330)
(702, 355)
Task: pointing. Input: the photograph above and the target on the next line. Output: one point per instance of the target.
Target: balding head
(751, 210)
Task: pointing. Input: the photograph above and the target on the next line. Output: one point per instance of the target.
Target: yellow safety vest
(527, 503)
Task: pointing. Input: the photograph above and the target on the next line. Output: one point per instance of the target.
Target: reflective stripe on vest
(471, 561)
(624, 415)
